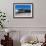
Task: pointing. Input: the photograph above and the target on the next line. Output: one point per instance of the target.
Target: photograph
(22, 9)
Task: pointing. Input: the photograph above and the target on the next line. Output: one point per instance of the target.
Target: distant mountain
(23, 11)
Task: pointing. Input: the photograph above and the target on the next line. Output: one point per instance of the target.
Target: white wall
(16, 35)
(39, 13)
(25, 25)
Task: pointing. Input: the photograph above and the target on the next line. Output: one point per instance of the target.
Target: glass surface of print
(22, 10)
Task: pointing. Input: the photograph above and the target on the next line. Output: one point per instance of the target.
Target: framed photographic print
(22, 9)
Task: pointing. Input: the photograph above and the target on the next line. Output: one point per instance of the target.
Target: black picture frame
(22, 15)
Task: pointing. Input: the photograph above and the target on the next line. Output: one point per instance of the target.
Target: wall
(38, 23)
(39, 13)
(16, 35)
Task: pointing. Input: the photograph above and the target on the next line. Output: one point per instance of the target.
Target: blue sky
(23, 6)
